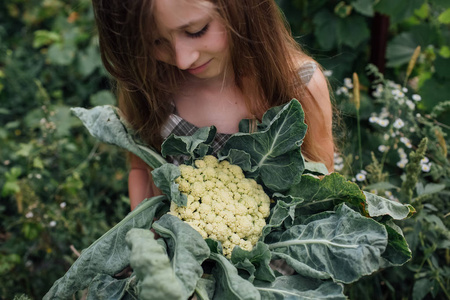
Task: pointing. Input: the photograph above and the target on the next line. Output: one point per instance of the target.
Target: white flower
(398, 93)
(327, 73)
(406, 141)
(402, 163)
(52, 224)
(416, 97)
(29, 215)
(424, 160)
(418, 115)
(384, 113)
(374, 192)
(378, 92)
(360, 177)
(426, 167)
(388, 193)
(399, 123)
(62, 204)
(410, 104)
(338, 167)
(348, 83)
(373, 119)
(38, 176)
(383, 122)
(382, 148)
(412, 129)
(404, 90)
(386, 136)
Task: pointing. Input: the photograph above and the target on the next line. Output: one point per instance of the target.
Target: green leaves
(104, 124)
(107, 255)
(195, 146)
(274, 149)
(379, 206)
(187, 251)
(229, 284)
(299, 287)
(164, 178)
(342, 245)
(152, 267)
(326, 229)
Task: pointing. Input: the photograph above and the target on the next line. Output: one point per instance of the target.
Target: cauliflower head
(222, 204)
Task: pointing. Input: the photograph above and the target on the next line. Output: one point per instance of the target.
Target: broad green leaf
(239, 158)
(352, 31)
(186, 248)
(164, 178)
(421, 288)
(400, 49)
(397, 250)
(88, 60)
(229, 285)
(195, 146)
(45, 37)
(299, 287)
(379, 206)
(105, 287)
(429, 189)
(444, 17)
(275, 147)
(284, 208)
(152, 267)
(325, 29)
(381, 186)
(104, 124)
(61, 53)
(63, 120)
(205, 288)
(315, 168)
(323, 194)
(214, 246)
(342, 245)
(364, 7)
(108, 254)
(255, 262)
(103, 97)
(398, 10)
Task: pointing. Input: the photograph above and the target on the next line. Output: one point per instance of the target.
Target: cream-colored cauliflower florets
(222, 203)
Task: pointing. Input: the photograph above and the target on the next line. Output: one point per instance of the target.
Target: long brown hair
(264, 56)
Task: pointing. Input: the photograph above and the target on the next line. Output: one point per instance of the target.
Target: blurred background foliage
(60, 189)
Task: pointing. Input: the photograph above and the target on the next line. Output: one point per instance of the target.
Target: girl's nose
(185, 55)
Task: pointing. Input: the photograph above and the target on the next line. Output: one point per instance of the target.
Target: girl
(184, 64)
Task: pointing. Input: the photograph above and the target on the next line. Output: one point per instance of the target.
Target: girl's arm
(140, 182)
(322, 118)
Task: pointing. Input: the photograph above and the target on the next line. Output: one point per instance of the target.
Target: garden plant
(61, 189)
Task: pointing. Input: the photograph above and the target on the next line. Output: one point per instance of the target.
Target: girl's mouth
(199, 69)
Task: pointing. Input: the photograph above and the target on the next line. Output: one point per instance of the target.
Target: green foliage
(334, 243)
(59, 188)
(406, 160)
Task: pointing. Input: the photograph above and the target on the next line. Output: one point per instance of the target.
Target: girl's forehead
(171, 15)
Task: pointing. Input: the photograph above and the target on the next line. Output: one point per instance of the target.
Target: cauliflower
(222, 203)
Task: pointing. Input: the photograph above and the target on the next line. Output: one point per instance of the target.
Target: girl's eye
(199, 33)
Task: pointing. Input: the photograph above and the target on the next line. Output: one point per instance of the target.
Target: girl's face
(191, 37)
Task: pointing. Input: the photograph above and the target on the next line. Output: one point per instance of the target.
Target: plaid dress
(178, 126)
